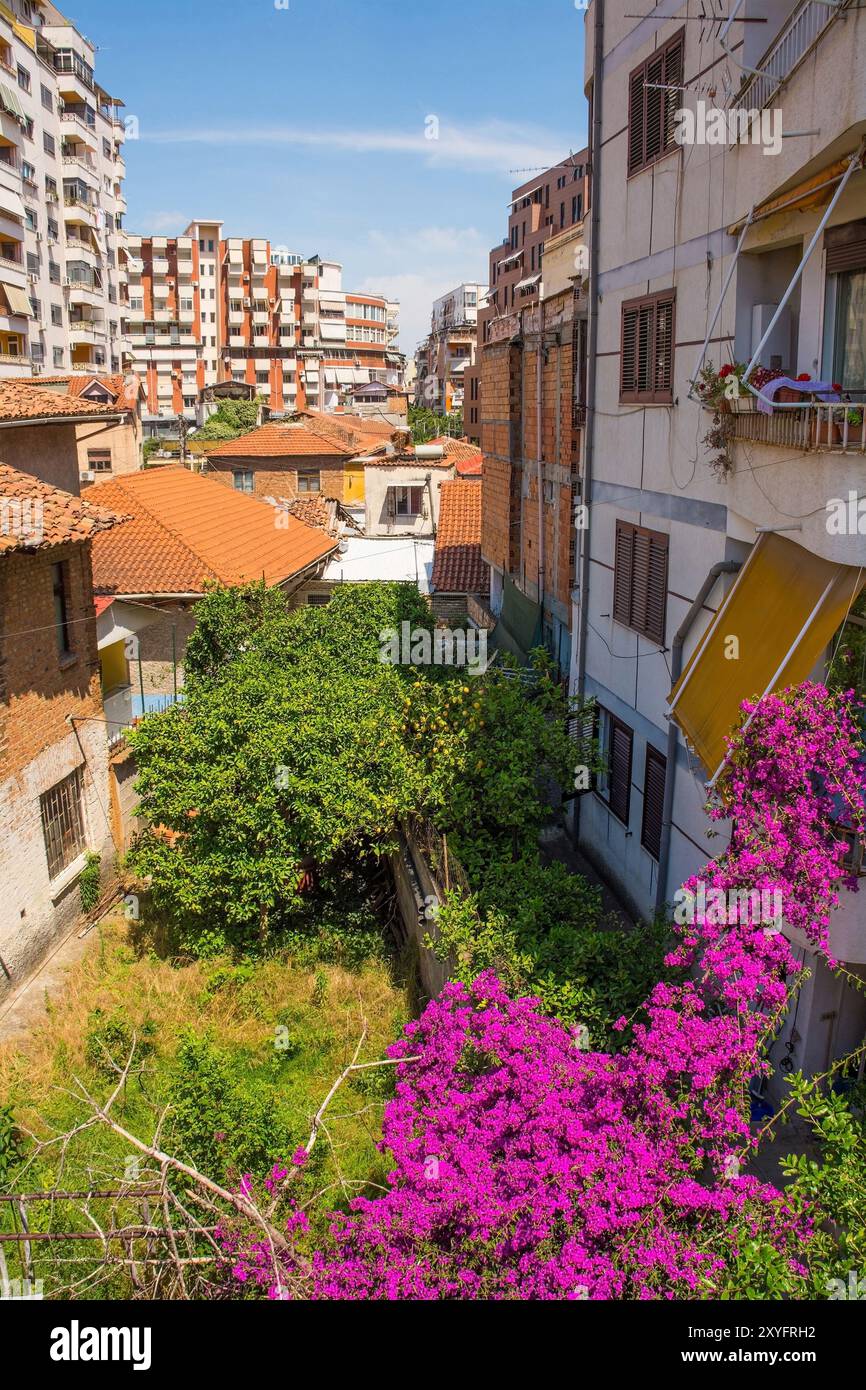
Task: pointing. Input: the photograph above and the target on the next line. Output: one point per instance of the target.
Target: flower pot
(786, 395)
(744, 403)
(824, 436)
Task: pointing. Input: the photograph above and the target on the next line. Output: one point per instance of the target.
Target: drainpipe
(592, 335)
(721, 567)
(539, 403)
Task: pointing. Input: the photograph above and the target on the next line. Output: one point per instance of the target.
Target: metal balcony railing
(839, 426)
(803, 29)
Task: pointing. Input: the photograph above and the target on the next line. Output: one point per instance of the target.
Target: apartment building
(443, 358)
(532, 364)
(712, 570)
(546, 205)
(62, 241)
(205, 309)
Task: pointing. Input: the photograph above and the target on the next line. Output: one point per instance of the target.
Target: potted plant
(722, 390)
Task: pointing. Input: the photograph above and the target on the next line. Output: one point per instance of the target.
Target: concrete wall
(378, 478)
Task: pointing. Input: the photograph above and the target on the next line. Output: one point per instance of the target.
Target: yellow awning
(17, 299)
(771, 629)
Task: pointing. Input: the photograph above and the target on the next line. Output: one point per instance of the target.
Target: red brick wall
(273, 479)
(38, 690)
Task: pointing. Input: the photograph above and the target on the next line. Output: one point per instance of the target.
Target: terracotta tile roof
(19, 400)
(101, 602)
(282, 439)
(465, 456)
(457, 566)
(356, 430)
(315, 511)
(34, 515)
(76, 382)
(187, 530)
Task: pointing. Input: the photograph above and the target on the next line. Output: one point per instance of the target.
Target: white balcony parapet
(804, 27)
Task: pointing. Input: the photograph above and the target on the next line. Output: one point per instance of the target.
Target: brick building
(459, 573)
(532, 362)
(540, 210)
(54, 752)
(285, 459)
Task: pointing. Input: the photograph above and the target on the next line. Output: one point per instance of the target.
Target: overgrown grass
(235, 1058)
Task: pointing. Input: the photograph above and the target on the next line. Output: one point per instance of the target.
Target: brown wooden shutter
(654, 108)
(628, 360)
(636, 124)
(622, 573)
(674, 58)
(656, 588)
(846, 247)
(663, 350)
(640, 580)
(655, 769)
(619, 769)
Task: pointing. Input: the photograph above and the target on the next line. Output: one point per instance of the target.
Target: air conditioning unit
(247, 303)
(87, 477)
(38, 236)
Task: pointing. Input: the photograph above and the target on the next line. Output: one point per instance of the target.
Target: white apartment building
(62, 242)
(443, 358)
(750, 253)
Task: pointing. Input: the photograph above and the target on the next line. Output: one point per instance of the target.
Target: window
(28, 127)
(318, 600)
(48, 144)
(62, 823)
(844, 352)
(653, 800)
(640, 580)
(47, 99)
(647, 349)
(408, 501)
(58, 357)
(23, 78)
(243, 479)
(614, 784)
(57, 315)
(54, 272)
(99, 460)
(28, 172)
(106, 149)
(309, 480)
(654, 95)
(60, 592)
(31, 221)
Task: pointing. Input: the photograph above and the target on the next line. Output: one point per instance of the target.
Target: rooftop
(35, 515)
(23, 403)
(187, 530)
(362, 559)
(458, 567)
(282, 439)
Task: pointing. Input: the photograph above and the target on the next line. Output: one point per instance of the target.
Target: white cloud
(423, 263)
(172, 222)
(492, 146)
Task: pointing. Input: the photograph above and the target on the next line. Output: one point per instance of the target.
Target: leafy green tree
(231, 419)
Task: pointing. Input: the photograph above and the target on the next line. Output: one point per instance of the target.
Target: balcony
(261, 340)
(79, 292)
(803, 29)
(832, 427)
(160, 265)
(237, 340)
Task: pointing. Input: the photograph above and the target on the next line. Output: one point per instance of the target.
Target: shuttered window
(846, 247)
(619, 768)
(654, 95)
(646, 370)
(653, 800)
(640, 580)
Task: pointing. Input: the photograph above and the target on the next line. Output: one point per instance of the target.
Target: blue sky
(308, 124)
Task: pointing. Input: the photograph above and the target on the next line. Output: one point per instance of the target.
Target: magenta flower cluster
(527, 1168)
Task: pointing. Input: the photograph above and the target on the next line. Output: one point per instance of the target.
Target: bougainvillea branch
(525, 1167)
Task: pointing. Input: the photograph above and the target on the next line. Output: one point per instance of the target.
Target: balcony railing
(803, 29)
(836, 426)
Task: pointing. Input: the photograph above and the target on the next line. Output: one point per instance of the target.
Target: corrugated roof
(187, 530)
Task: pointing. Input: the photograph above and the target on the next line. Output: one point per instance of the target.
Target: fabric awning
(528, 282)
(17, 299)
(11, 202)
(783, 610)
(331, 331)
(10, 103)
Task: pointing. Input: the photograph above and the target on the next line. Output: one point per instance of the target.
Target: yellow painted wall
(353, 483)
(114, 666)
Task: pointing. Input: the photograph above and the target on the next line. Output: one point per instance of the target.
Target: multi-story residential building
(206, 309)
(62, 242)
(714, 568)
(443, 358)
(548, 204)
(532, 365)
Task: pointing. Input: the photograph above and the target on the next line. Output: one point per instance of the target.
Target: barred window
(62, 823)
